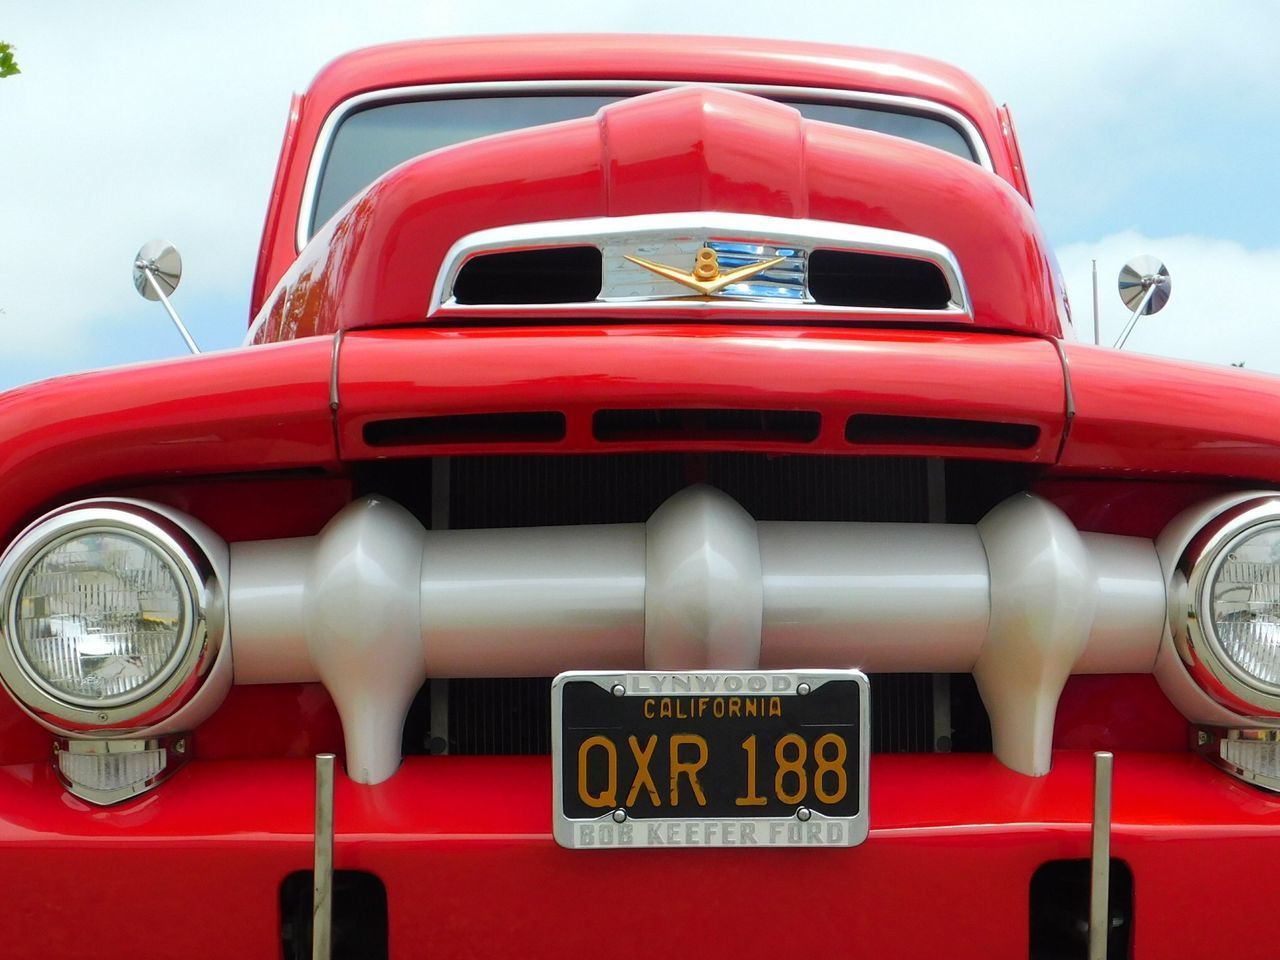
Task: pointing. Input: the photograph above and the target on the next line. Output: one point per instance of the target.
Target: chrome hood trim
(674, 238)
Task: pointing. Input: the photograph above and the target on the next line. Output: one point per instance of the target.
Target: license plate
(710, 759)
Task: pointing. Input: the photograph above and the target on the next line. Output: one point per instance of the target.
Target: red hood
(690, 149)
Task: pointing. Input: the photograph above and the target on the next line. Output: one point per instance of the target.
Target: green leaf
(8, 66)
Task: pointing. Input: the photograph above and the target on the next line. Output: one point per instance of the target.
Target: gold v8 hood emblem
(706, 277)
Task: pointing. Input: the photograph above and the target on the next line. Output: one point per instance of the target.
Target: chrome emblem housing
(758, 263)
(745, 263)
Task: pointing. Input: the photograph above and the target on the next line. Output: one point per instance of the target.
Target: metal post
(146, 268)
(1100, 864)
(1097, 330)
(322, 889)
(1137, 313)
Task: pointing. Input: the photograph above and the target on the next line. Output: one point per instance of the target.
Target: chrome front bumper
(375, 604)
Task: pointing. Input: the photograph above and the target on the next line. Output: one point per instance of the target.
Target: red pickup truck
(661, 466)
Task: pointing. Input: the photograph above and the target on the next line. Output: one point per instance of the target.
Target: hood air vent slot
(843, 278)
(552, 275)
(540, 427)
(742, 426)
(939, 432)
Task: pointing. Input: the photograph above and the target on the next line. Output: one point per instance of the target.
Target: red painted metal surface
(279, 186)
(1117, 712)
(679, 150)
(463, 846)
(1010, 133)
(1139, 415)
(265, 507)
(695, 59)
(22, 740)
(218, 413)
(1128, 508)
(277, 720)
(414, 373)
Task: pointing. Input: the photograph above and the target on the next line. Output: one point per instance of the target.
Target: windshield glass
(370, 142)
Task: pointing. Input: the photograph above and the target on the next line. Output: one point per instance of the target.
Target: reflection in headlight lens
(99, 615)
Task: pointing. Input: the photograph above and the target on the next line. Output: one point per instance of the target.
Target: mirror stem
(146, 268)
(1152, 286)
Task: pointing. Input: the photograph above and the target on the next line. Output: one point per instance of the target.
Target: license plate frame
(791, 824)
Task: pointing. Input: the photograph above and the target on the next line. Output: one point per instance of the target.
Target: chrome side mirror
(156, 271)
(1144, 288)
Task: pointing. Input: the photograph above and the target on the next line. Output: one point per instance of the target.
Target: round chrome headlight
(100, 615)
(104, 616)
(1243, 599)
(1230, 630)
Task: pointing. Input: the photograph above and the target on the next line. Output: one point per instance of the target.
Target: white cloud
(1222, 308)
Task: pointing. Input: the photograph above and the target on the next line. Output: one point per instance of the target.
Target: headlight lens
(106, 621)
(100, 617)
(1245, 604)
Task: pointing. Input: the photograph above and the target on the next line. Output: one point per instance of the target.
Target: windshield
(371, 141)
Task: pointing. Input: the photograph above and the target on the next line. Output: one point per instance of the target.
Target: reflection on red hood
(689, 149)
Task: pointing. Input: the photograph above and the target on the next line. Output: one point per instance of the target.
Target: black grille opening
(1060, 911)
(531, 491)
(359, 929)
(901, 712)
(527, 490)
(940, 432)
(973, 487)
(555, 275)
(840, 278)
(538, 427)
(970, 724)
(500, 717)
(778, 426)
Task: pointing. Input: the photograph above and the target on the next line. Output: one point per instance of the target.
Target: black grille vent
(556, 275)
(901, 713)
(496, 717)
(547, 491)
(671, 425)
(940, 432)
(537, 427)
(839, 278)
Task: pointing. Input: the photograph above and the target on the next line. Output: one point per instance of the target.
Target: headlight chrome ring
(1192, 610)
(180, 561)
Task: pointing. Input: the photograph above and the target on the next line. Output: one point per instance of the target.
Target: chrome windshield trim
(611, 233)
(306, 209)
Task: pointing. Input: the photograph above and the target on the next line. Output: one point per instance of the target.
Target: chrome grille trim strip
(625, 285)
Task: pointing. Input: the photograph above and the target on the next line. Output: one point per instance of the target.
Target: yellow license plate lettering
(791, 766)
(830, 752)
(643, 778)
(608, 797)
(688, 768)
(752, 798)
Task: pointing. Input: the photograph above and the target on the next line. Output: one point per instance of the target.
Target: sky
(1145, 130)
